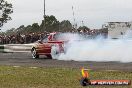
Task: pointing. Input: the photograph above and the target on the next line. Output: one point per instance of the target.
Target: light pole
(82, 23)
(44, 9)
(73, 17)
(44, 15)
(74, 20)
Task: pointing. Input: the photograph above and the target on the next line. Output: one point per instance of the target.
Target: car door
(43, 45)
(46, 46)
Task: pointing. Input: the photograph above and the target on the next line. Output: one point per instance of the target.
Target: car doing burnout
(51, 46)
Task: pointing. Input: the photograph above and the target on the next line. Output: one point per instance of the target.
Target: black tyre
(34, 54)
(49, 56)
(55, 52)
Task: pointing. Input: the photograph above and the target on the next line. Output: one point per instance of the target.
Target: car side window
(45, 39)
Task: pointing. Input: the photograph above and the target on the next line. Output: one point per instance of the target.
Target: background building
(117, 29)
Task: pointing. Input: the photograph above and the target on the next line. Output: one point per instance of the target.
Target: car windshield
(66, 36)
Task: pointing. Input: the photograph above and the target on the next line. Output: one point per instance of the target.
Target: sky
(93, 13)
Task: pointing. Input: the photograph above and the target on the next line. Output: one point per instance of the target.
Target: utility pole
(82, 23)
(44, 16)
(74, 20)
(44, 9)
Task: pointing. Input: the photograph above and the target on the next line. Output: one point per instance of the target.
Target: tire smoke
(100, 50)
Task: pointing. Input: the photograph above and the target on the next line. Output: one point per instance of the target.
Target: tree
(51, 24)
(26, 29)
(35, 27)
(10, 32)
(5, 10)
(84, 28)
(65, 26)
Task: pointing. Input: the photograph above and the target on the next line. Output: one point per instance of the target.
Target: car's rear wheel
(34, 53)
(55, 52)
(49, 56)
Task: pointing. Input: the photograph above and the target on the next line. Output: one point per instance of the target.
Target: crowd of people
(21, 38)
(33, 37)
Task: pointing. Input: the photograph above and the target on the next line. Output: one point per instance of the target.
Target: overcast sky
(94, 13)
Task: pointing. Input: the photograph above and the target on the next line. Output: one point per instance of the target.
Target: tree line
(51, 25)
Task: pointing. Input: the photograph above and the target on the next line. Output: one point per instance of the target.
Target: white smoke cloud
(100, 50)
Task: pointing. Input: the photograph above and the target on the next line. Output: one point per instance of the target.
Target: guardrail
(1, 48)
(15, 48)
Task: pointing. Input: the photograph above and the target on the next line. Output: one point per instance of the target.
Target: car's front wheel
(34, 53)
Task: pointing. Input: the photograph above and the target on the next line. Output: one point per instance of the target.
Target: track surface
(25, 59)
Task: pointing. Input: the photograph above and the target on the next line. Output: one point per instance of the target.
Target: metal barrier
(2, 48)
(15, 48)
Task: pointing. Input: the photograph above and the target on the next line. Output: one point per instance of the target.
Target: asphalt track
(25, 59)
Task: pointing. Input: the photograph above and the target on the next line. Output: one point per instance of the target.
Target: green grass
(25, 77)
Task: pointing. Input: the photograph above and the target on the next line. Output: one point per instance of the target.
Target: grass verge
(25, 77)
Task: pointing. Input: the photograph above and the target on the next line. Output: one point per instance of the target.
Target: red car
(51, 46)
